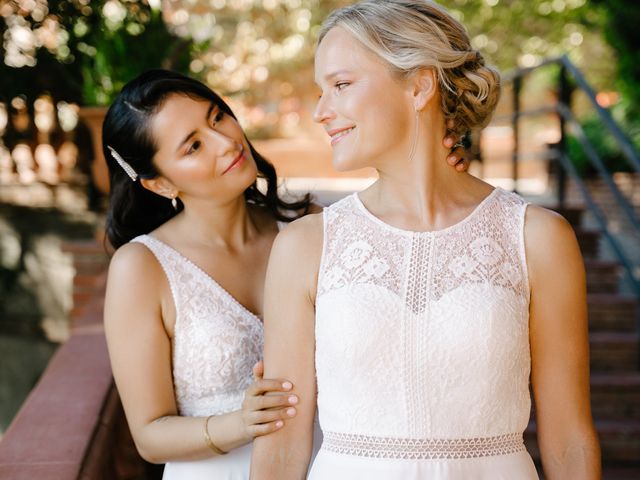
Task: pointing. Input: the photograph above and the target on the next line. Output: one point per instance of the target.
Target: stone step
(612, 312)
(614, 351)
(589, 241)
(615, 396)
(602, 276)
(619, 441)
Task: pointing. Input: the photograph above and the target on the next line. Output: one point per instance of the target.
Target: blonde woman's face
(365, 110)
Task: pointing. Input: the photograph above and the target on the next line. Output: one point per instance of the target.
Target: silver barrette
(125, 166)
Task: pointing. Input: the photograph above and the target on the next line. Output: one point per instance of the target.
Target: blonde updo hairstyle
(413, 35)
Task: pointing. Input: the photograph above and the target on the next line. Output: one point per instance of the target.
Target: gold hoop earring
(415, 137)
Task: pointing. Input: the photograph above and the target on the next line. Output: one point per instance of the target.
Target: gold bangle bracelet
(207, 438)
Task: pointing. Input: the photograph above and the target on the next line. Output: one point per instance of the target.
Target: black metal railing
(570, 80)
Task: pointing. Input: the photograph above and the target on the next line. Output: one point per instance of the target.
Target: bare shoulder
(133, 262)
(302, 234)
(551, 244)
(135, 283)
(545, 228)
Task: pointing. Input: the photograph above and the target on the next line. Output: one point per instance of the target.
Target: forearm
(177, 438)
(274, 458)
(579, 460)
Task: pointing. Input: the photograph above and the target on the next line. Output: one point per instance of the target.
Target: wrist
(242, 432)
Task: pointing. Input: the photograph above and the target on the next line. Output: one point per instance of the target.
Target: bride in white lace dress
(184, 294)
(431, 300)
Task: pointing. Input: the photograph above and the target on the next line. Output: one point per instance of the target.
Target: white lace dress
(216, 343)
(422, 347)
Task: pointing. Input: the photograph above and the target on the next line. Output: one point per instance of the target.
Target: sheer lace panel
(216, 340)
(482, 248)
(422, 449)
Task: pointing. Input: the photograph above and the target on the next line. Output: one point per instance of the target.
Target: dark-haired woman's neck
(226, 225)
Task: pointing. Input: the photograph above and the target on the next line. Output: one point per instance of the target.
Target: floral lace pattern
(422, 449)
(216, 340)
(424, 334)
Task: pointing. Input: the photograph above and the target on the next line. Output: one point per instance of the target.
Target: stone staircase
(615, 360)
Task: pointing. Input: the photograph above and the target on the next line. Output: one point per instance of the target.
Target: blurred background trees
(260, 52)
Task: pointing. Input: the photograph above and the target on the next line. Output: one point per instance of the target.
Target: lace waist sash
(421, 449)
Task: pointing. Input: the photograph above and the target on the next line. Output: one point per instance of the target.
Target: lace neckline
(209, 278)
(485, 201)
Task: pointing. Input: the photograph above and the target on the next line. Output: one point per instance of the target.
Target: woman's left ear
(424, 88)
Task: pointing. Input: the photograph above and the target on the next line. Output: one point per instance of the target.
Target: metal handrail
(567, 118)
(622, 140)
(599, 165)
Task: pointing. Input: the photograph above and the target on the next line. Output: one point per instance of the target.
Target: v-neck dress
(216, 342)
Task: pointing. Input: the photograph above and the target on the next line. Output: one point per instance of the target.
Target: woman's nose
(223, 143)
(323, 111)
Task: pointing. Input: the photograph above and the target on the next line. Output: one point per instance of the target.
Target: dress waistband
(421, 448)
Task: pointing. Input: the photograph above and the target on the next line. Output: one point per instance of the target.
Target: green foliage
(105, 44)
(622, 18)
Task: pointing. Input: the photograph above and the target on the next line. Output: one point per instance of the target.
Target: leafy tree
(622, 18)
(83, 51)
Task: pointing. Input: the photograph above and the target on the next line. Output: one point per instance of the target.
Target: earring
(174, 203)
(415, 137)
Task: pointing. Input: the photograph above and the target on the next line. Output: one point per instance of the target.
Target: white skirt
(337, 466)
(232, 466)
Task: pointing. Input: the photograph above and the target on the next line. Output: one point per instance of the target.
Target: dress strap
(170, 262)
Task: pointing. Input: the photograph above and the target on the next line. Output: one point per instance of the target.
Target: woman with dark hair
(192, 233)
(186, 217)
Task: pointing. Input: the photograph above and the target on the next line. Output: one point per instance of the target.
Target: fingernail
(291, 412)
(287, 385)
(293, 399)
(451, 160)
(279, 423)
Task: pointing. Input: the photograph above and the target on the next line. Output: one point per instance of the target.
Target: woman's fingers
(267, 416)
(264, 402)
(258, 370)
(265, 428)
(261, 386)
(267, 421)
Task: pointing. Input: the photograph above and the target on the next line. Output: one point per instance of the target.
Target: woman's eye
(341, 85)
(194, 147)
(218, 117)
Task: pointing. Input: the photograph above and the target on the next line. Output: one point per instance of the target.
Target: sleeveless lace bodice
(422, 340)
(216, 340)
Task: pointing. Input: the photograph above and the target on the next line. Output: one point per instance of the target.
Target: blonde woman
(426, 304)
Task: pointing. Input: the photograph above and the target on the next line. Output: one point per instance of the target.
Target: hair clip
(125, 166)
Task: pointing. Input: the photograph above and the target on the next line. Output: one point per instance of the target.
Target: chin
(347, 163)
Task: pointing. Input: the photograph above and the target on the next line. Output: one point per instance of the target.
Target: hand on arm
(456, 157)
(290, 345)
(560, 348)
(140, 352)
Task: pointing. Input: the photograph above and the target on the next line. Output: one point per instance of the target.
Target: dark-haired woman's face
(202, 151)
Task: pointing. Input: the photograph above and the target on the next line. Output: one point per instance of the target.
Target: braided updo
(410, 35)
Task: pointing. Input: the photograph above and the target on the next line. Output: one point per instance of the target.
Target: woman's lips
(236, 162)
(338, 134)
